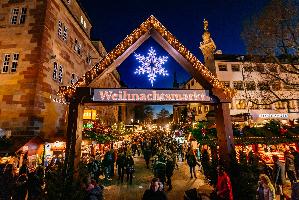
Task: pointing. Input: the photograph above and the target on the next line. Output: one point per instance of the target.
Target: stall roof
(17, 142)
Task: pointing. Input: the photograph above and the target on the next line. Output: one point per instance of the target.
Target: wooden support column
(224, 132)
(78, 141)
(71, 140)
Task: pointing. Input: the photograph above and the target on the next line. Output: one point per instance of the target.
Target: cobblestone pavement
(181, 182)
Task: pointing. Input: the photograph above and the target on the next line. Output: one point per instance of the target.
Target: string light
(145, 27)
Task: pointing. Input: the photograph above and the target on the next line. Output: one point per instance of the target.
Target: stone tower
(208, 47)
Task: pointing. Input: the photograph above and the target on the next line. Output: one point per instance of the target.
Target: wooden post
(71, 140)
(78, 141)
(224, 133)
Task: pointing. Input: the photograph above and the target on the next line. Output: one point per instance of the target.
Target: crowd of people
(161, 152)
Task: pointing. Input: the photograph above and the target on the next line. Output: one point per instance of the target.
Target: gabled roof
(150, 28)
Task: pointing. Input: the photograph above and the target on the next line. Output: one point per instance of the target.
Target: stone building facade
(245, 77)
(44, 44)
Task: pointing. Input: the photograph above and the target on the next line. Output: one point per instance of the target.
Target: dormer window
(83, 22)
(222, 67)
(74, 79)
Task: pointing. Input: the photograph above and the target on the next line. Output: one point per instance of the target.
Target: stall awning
(16, 143)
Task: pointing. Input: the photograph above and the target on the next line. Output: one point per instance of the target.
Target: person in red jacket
(224, 186)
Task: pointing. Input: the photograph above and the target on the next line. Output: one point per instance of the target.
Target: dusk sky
(113, 20)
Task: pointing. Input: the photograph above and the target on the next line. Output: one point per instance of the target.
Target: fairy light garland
(151, 22)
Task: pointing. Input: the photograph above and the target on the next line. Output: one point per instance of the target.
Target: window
(62, 31)
(64, 37)
(192, 82)
(23, 15)
(60, 75)
(77, 47)
(276, 86)
(14, 16)
(55, 69)
(263, 86)
(88, 59)
(188, 86)
(6, 63)
(250, 85)
(73, 79)
(272, 69)
(59, 28)
(206, 108)
(226, 83)
(238, 85)
(280, 105)
(235, 68)
(81, 20)
(199, 111)
(260, 68)
(292, 104)
(14, 63)
(18, 16)
(241, 104)
(222, 67)
(248, 68)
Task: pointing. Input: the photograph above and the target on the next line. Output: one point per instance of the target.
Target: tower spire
(208, 47)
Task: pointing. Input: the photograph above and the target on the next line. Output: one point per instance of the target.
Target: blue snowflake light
(151, 65)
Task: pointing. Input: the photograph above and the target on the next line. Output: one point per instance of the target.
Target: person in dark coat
(290, 167)
(6, 182)
(21, 187)
(169, 171)
(147, 156)
(296, 159)
(121, 162)
(96, 193)
(34, 186)
(191, 160)
(108, 163)
(160, 170)
(130, 168)
(24, 169)
(278, 176)
(155, 192)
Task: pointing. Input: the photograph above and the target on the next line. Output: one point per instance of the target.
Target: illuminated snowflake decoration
(151, 65)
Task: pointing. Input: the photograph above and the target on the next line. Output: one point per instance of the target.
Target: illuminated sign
(90, 114)
(147, 95)
(274, 115)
